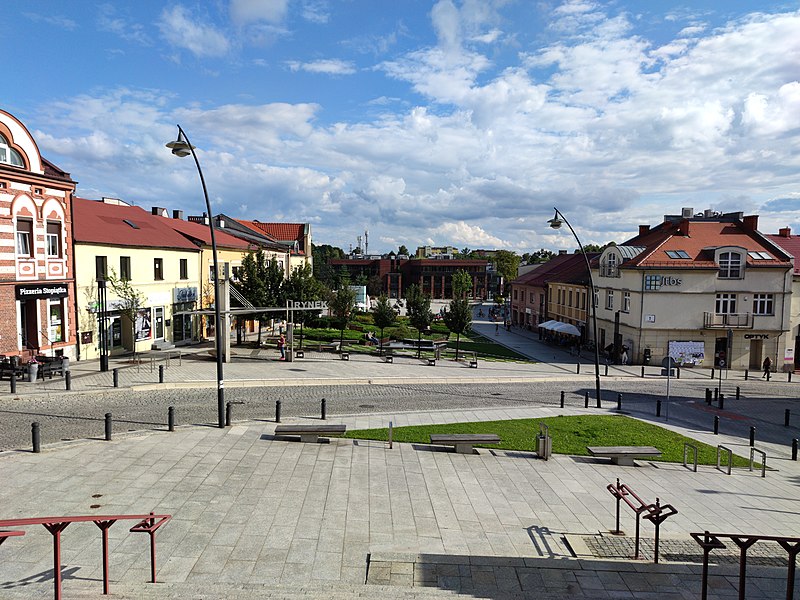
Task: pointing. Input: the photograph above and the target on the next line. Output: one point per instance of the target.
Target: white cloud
(471, 235)
(59, 21)
(330, 66)
(316, 11)
(244, 12)
(180, 29)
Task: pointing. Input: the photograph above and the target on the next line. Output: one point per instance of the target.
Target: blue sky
(447, 122)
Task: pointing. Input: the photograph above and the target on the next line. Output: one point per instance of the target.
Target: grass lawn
(571, 435)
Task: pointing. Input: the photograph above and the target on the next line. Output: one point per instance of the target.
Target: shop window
(24, 237)
(56, 316)
(54, 239)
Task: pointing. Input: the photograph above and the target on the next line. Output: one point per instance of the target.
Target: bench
(310, 433)
(624, 455)
(345, 355)
(463, 442)
(299, 354)
(431, 362)
(327, 347)
(49, 367)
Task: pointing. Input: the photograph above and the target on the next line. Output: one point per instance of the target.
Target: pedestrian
(282, 346)
(766, 366)
(624, 355)
(496, 328)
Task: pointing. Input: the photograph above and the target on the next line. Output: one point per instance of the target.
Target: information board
(687, 354)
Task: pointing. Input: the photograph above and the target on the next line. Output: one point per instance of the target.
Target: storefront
(42, 316)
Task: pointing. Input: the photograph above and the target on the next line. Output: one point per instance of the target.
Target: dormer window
(609, 267)
(730, 265)
(8, 155)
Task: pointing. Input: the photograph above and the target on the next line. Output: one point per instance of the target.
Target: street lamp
(181, 147)
(556, 223)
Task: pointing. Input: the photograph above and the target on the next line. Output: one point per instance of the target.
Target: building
(37, 280)
(708, 289)
(434, 251)
(295, 236)
(791, 244)
(160, 264)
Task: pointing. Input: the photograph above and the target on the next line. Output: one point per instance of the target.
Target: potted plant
(33, 369)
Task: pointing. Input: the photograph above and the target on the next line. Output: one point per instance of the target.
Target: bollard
(228, 414)
(789, 377)
(787, 414)
(115, 374)
(712, 372)
(606, 370)
(721, 401)
(716, 425)
(562, 398)
(171, 418)
(13, 383)
(598, 404)
(708, 396)
(108, 427)
(658, 407)
(716, 393)
(390, 435)
(746, 374)
(642, 370)
(619, 401)
(37, 446)
(277, 411)
(678, 371)
(578, 368)
(794, 449)
(160, 373)
(322, 409)
(768, 375)
(738, 392)
(68, 381)
(586, 400)
(752, 436)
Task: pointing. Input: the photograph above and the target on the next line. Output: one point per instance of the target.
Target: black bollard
(562, 398)
(678, 371)
(768, 375)
(658, 407)
(13, 383)
(586, 400)
(716, 393)
(160, 373)
(171, 418)
(115, 374)
(68, 380)
(37, 446)
(108, 427)
(738, 392)
(578, 368)
(746, 374)
(721, 401)
(787, 414)
(619, 401)
(227, 414)
(606, 369)
(322, 409)
(712, 372)
(716, 425)
(277, 411)
(708, 396)
(794, 449)
(789, 377)
(642, 370)
(752, 436)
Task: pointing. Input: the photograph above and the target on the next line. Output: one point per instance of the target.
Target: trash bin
(544, 443)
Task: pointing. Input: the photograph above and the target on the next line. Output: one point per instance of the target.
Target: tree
(383, 316)
(374, 286)
(342, 277)
(302, 287)
(541, 255)
(418, 306)
(402, 250)
(129, 300)
(507, 264)
(261, 282)
(341, 303)
(462, 284)
(458, 319)
(596, 247)
(323, 271)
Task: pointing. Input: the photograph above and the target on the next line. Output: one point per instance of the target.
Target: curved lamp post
(556, 223)
(182, 148)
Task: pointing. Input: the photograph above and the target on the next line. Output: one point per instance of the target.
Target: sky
(449, 122)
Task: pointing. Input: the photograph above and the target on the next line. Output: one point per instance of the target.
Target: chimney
(177, 214)
(221, 223)
(159, 212)
(643, 229)
(562, 252)
(750, 223)
(785, 232)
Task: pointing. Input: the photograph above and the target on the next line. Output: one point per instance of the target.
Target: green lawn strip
(571, 435)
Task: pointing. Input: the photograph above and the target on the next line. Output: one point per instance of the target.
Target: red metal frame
(655, 513)
(55, 525)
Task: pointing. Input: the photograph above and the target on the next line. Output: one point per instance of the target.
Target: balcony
(728, 321)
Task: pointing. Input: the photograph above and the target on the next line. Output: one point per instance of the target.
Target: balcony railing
(728, 321)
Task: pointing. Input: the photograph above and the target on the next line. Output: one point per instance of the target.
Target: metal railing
(763, 460)
(686, 446)
(730, 457)
(713, 320)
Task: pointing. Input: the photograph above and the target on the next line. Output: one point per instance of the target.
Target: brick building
(37, 283)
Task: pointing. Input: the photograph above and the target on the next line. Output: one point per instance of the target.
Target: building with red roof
(791, 244)
(37, 279)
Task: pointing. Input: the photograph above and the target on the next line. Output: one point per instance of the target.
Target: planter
(33, 372)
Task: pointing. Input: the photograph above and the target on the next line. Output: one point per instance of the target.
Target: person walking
(766, 366)
(282, 346)
(624, 355)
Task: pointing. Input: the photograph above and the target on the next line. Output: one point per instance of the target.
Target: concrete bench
(624, 455)
(299, 354)
(463, 442)
(431, 362)
(345, 355)
(310, 433)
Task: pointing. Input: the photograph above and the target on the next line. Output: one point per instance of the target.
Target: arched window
(8, 155)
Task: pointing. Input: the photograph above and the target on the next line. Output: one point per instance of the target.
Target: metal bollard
(586, 400)
(746, 374)
(227, 414)
(619, 401)
(721, 401)
(390, 435)
(642, 370)
(708, 396)
(768, 375)
(716, 425)
(678, 371)
(277, 411)
(562, 398)
(171, 418)
(794, 449)
(606, 370)
(37, 446)
(108, 427)
(13, 383)
(322, 409)
(787, 414)
(789, 377)
(578, 368)
(716, 393)
(115, 375)
(160, 373)
(658, 407)
(738, 392)
(712, 372)
(68, 381)
(752, 436)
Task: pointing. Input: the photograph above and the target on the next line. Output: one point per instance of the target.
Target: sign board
(788, 355)
(650, 318)
(687, 353)
(47, 290)
(184, 294)
(142, 326)
(311, 305)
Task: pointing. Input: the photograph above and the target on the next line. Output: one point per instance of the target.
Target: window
(56, 315)
(596, 299)
(53, 239)
(759, 255)
(8, 155)
(763, 304)
(100, 268)
(609, 269)
(583, 300)
(184, 266)
(24, 237)
(626, 302)
(610, 299)
(533, 298)
(730, 265)
(515, 294)
(125, 268)
(726, 304)
(158, 269)
(677, 254)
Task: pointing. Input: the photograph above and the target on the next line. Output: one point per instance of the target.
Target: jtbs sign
(656, 282)
(51, 290)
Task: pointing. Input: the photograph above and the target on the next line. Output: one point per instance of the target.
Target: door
(159, 319)
(29, 324)
(756, 354)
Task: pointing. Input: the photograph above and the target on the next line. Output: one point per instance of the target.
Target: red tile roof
(283, 232)
(96, 222)
(791, 244)
(201, 232)
(563, 268)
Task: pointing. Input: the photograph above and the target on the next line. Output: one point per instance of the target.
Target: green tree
(302, 287)
(129, 300)
(383, 316)
(342, 277)
(418, 306)
(458, 319)
(402, 250)
(596, 247)
(374, 286)
(323, 271)
(541, 255)
(462, 284)
(341, 303)
(507, 264)
(261, 282)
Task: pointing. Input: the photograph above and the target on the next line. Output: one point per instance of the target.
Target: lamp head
(180, 148)
(555, 222)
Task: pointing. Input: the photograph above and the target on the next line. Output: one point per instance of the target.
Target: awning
(566, 328)
(548, 324)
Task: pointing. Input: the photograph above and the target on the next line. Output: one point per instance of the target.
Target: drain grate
(366, 406)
